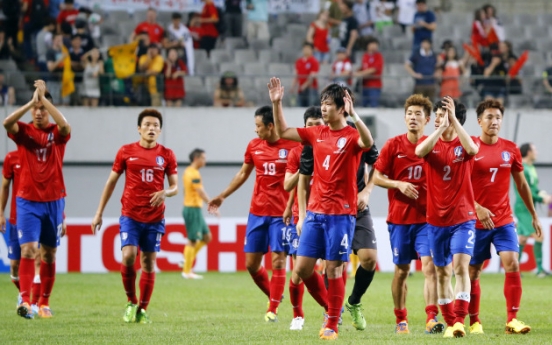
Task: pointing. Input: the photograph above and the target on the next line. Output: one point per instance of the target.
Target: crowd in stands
(346, 42)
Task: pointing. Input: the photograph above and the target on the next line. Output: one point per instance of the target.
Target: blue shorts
(265, 231)
(14, 250)
(292, 238)
(503, 238)
(147, 236)
(40, 221)
(408, 242)
(327, 237)
(445, 241)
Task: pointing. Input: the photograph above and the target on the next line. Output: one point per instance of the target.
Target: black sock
(363, 279)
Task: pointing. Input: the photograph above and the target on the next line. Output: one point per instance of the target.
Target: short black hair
(334, 92)
(150, 112)
(308, 44)
(459, 110)
(420, 2)
(371, 39)
(69, 1)
(49, 97)
(428, 40)
(176, 15)
(349, 4)
(266, 113)
(312, 113)
(525, 148)
(195, 154)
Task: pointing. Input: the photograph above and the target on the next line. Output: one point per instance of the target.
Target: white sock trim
(36, 279)
(15, 279)
(463, 296)
(443, 301)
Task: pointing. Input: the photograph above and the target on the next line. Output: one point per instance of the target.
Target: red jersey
(270, 160)
(398, 161)
(209, 11)
(199, 31)
(11, 170)
(41, 154)
(69, 16)
(145, 174)
(320, 38)
(373, 61)
(305, 66)
(339, 67)
(450, 198)
(336, 160)
(294, 159)
(492, 169)
(154, 30)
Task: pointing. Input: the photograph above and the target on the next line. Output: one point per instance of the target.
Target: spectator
(180, 38)
(361, 10)
(7, 93)
(334, 19)
(151, 64)
(421, 66)
(175, 70)
(496, 73)
(383, 11)
(12, 13)
(44, 42)
(55, 61)
(153, 29)
(305, 82)
(480, 28)
(233, 18)
(450, 71)
(228, 93)
(34, 13)
(349, 29)
(342, 69)
(493, 22)
(68, 14)
(67, 33)
(317, 35)
(76, 53)
(194, 25)
(370, 72)
(257, 20)
(87, 42)
(546, 101)
(6, 47)
(407, 10)
(143, 43)
(54, 8)
(424, 25)
(93, 69)
(209, 33)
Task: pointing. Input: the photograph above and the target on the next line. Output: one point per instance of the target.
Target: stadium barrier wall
(83, 252)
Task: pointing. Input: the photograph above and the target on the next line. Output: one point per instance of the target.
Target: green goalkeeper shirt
(533, 181)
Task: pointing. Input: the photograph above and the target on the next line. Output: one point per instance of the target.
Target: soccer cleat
(130, 312)
(271, 317)
(402, 328)
(19, 300)
(328, 334)
(359, 322)
(458, 330)
(542, 274)
(34, 309)
(449, 333)
(297, 324)
(191, 275)
(44, 312)
(142, 316)
(476, 328)
(324, 324)
(24, 310)
(517, 327)
(434, 327)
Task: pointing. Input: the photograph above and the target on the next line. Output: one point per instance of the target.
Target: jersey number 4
(147, 175)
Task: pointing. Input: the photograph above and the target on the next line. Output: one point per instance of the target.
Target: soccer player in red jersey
(401, 171)
(268, 155)
(497, 160)
(329, 225)
(40, 196)
(142, 222)
(448, 154)
(312, 117)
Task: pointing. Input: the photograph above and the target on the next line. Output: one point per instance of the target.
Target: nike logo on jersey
(401, 156)
(17, 166)
(436, 151)
(319, 140)
(478, 158)
(258, 152)
(133, 158)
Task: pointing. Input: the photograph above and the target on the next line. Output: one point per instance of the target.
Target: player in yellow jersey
(194, 196)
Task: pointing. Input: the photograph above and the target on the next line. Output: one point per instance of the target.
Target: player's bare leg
(363, 278)
(26, 274)
(430, 296)
(296, 291)
(128, 275)
(147, 282)
(313, 281)
(14, 276)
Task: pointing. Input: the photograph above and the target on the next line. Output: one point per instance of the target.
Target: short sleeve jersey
(154, 30)
(450, 199)
(399, 162)
(270, 161)
(192, 180)
(11, 170)
(145, 174)
(492, 168)
(294, 159)
(41, 154)
(336, 160)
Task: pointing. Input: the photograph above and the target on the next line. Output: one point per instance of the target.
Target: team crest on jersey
(50, 137)
(458, 151)
(341, 142)
(124, 236)
(506, 156)
(283, 153)
(160, 160)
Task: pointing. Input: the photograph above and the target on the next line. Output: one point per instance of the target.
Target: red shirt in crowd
(69, 16)
(320, 38)
(305, 66)
(209, 11)
(373, 61)
(155, 31)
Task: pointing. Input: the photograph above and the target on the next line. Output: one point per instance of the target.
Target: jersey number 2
(446, 169)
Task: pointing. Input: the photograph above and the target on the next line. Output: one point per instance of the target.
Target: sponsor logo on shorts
(160, 160)
(10, 250)
(341, 253)
(295, 243)
(124, 236)
(396, 251)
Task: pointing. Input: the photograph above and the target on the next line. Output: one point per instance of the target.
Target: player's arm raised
(406, 188)
(158, 198)
(276, 92)
(63, 126)
(10, 122)
(4, 195)
(467, 142)
(234, 185)
(427, 145)
(106, 195)
(525, 193)
(365, 141)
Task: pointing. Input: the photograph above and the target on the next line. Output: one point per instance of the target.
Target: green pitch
(229, 309)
